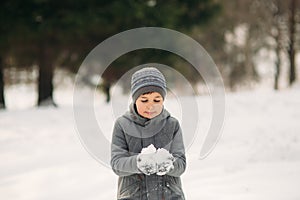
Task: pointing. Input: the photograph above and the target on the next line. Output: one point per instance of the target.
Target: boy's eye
(144, 101)
(156, 100)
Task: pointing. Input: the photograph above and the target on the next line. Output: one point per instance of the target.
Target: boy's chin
(150, 116)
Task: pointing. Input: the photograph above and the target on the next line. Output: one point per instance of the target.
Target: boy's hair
(148, 93)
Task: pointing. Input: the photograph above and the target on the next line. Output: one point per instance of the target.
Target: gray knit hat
(148, 79)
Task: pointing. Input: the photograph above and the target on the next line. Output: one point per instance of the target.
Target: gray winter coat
(132, 133)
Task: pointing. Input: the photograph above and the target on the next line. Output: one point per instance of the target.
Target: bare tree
(272, 21)
(277, 35)
(278, 19)
(292, 40)
(2, 101)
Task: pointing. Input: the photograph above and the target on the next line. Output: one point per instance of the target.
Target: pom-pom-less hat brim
(148, 89)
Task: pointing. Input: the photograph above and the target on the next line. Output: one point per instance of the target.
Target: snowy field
(257, 157)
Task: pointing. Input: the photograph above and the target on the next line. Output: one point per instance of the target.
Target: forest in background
(40, 38)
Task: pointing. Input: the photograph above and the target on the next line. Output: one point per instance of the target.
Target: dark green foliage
(52, 33)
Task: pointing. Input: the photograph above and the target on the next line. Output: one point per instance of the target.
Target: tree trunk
(292, 35)
(278, 69)
(106, 88)
(278, 59)
(250, 69)
(46, 71)
(277, 16)
(2, 100)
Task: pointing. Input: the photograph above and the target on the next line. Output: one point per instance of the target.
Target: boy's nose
(150, 106)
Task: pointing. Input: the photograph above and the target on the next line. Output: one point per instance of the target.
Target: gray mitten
(146, 161)
(164, 160)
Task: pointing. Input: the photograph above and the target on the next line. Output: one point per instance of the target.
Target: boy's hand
(146, 163)
(151, 161)
(164, 167)
(164, 160)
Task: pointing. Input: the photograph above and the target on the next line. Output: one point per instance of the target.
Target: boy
(147, 150)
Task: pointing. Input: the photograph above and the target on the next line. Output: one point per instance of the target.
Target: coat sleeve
(178, 151)
(123, 162)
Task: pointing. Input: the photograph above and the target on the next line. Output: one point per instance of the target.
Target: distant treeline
(49, 34)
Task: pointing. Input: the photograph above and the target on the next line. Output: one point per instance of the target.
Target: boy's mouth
(149, 113)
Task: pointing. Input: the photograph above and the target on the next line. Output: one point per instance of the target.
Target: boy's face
(149, 105)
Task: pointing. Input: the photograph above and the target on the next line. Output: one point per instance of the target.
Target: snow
(257, 157)
(149, 149)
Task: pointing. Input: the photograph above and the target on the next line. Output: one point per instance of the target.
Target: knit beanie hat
(148, 79)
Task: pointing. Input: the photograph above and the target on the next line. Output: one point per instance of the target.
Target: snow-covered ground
(257, 157)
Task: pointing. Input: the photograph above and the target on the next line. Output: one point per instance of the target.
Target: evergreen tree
(61, 33)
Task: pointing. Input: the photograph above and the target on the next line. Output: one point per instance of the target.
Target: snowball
(162, 155)
(149, 149)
